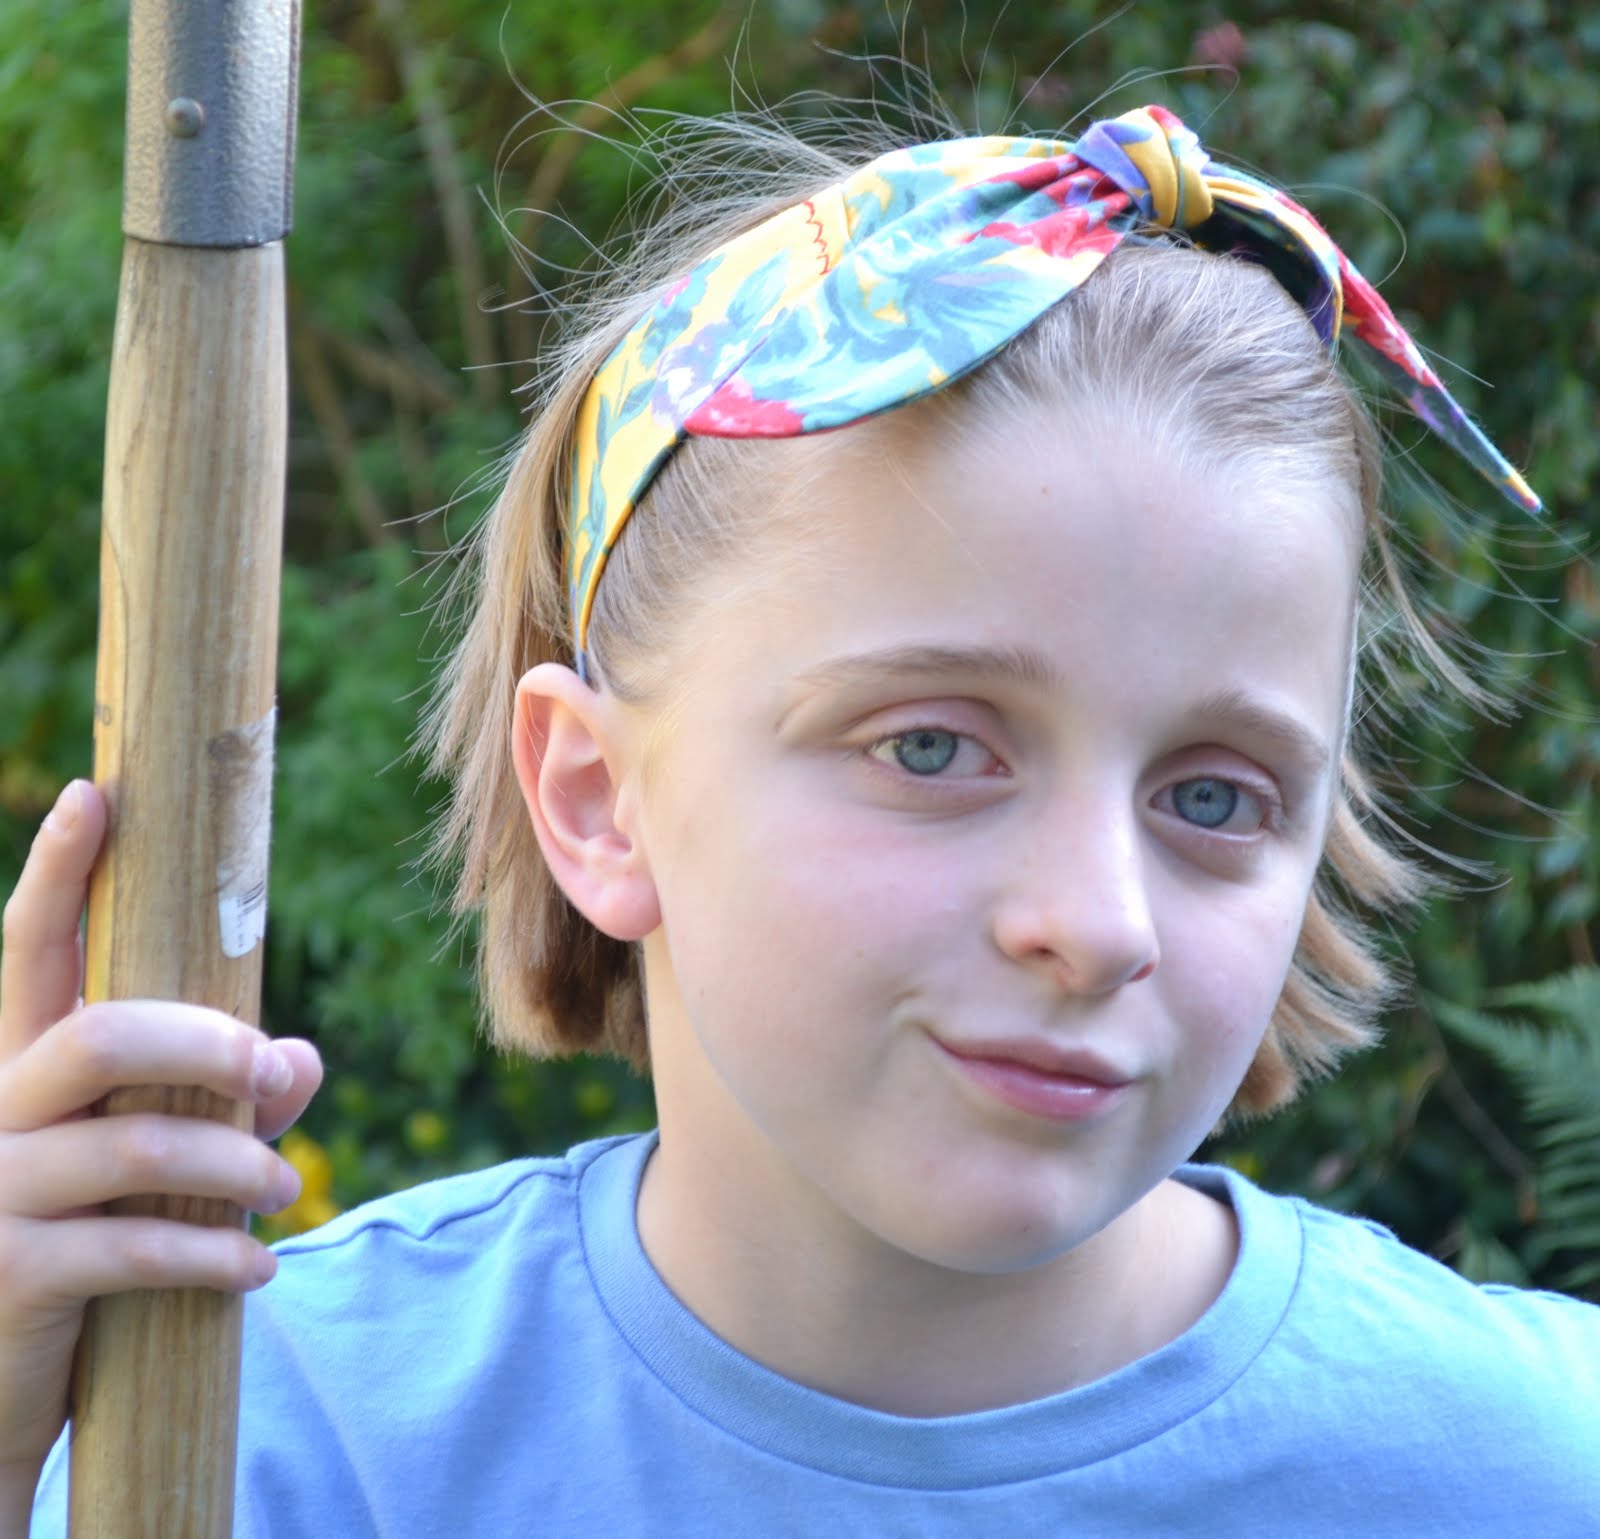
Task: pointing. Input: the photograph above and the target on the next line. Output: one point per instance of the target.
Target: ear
(566, 742)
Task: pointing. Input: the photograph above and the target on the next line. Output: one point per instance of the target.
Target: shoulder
(1358, 1271)
(1399, 1394)
(493, 1195)
(423, 1212)
(385, 1361)
(465, 1233)
(1393, 1341)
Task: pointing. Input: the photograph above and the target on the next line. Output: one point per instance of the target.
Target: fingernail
(65, 812)
(288, 1184)
(270, 1072)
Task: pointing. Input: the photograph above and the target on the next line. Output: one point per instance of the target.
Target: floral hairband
(915, 269)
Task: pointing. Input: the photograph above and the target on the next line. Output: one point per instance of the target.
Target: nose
(1075, 909)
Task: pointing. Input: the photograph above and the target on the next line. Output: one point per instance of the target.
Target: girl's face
(982, 839)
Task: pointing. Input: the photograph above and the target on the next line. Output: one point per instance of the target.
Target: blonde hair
(1207, 348)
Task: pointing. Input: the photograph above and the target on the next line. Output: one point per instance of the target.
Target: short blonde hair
(1204, 347)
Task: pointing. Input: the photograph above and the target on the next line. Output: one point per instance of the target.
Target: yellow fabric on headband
(914, 270)
(793, 248)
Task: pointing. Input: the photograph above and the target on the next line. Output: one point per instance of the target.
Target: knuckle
(147, 1253)
(90, 1041)
(239, 1053)
(167, 1254)
(13, 1261)
(143, 1150)
(265, 1182)
(242, 1254)
(14, 920)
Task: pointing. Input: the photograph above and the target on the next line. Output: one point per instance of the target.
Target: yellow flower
(315, 1204)
(427, 1132)
(1246, 1162)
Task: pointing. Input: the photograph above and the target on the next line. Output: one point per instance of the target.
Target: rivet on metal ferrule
(212, 88)
(185, 117)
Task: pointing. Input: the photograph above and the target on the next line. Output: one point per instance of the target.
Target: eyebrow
(1259, 720)
(1026, 666)
(1010, 665)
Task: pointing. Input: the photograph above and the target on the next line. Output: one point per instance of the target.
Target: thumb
(41, 965)
(277, 1114)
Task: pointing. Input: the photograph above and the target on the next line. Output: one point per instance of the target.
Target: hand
(58, 1164)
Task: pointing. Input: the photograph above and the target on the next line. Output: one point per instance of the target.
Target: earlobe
(567, 750)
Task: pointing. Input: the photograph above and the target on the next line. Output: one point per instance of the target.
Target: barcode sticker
(241, 799)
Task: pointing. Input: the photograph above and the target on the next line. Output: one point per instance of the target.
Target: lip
(1040, 1078)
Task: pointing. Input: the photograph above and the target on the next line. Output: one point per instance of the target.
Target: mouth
(1039, 1078)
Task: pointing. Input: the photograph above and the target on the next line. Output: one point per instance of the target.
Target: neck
(772, 1269)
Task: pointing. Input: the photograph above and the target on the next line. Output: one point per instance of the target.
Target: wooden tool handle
(196, 444)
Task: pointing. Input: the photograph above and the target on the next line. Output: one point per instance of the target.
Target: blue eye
(1205, 803)
(926, 751)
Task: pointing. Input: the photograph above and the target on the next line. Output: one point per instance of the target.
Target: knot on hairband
(915, 269)
(1156, 159)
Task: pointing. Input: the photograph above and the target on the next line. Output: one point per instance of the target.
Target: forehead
(1068, 487)
(1064, 533)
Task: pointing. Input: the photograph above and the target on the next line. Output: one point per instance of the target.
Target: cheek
(1232, 973)
(793, 933)
(756, 915)
(792, 874)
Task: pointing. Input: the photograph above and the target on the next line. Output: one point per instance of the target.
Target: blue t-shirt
(494, 1355)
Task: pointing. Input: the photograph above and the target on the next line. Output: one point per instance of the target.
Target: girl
(952, 810)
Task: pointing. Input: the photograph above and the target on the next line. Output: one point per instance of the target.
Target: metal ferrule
(212, 88)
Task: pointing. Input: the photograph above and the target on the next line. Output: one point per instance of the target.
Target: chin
(993, 1250)
(994, 1228)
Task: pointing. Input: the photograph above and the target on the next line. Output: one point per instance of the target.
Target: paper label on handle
(241, 799)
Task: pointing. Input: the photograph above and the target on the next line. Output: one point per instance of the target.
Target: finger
(276, 1114)
(61, 1261)
(94, 1160)
(41, 963)
(103, 1047)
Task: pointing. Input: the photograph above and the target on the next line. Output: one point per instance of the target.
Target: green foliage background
(1451, 146)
